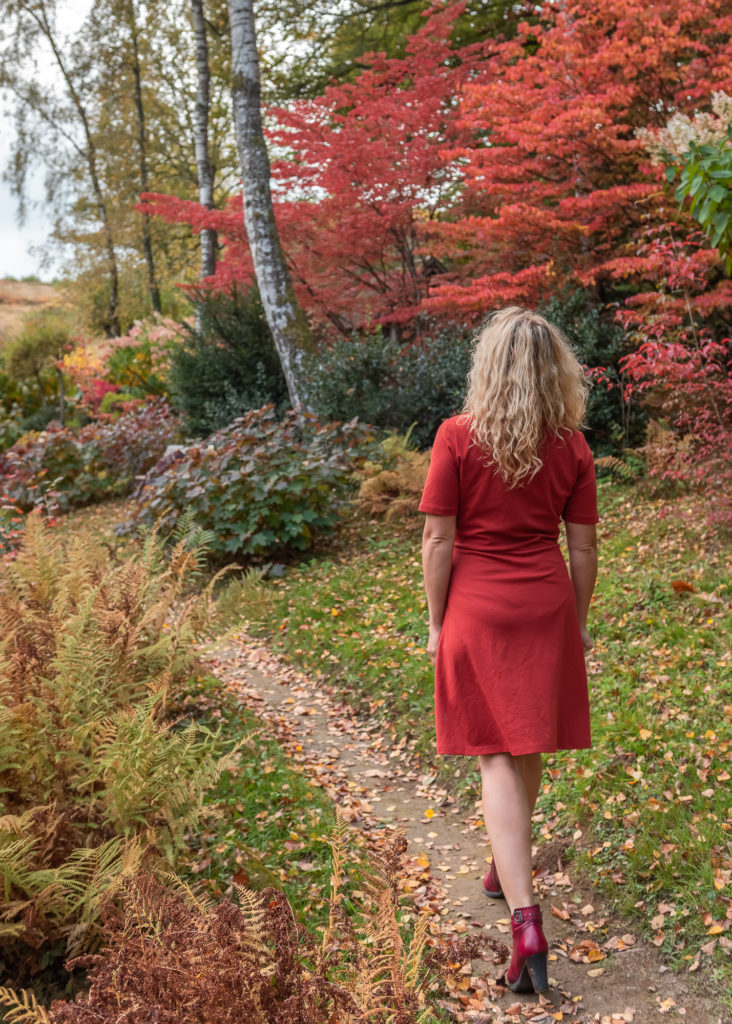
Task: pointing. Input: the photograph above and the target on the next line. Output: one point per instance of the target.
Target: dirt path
(599, 971)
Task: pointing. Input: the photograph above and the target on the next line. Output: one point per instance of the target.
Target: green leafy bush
(35, 355)
(77, 468)
(25, 405)
(260, 485)
(395, 386)
(226, 363)
(94, 780)
(705, 176)
(390, 385)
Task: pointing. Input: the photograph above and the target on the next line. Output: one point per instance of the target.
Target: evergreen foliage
(614, 423)
(226, 363)
(390, 385)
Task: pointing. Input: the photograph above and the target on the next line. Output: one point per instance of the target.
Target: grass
(652, 798)
(273, 822)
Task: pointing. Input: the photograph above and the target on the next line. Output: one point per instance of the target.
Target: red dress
(510, 669)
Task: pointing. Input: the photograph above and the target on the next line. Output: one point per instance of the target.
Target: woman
(507, 624)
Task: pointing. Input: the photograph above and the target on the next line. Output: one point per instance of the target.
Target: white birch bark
(284, 315)
(200, 137)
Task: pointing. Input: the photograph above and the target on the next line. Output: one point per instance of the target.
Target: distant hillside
(20, 297)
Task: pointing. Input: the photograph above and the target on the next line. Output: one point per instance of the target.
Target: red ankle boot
(530, 948)
(491, 883)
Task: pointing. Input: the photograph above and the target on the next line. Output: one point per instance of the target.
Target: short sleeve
(441, 495)
(581, 505)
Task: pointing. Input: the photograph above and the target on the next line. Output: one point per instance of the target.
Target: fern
(338, 842)
(170, 949)
(24, 1008)
(197, 898)
(617, 467)
(90, 762)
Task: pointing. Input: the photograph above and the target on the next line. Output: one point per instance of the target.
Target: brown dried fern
(173, 955)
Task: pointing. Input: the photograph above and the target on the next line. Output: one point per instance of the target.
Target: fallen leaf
(681, 587)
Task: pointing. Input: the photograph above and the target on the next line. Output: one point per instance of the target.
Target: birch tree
(290, 330)
(203, 160)
(130, 15)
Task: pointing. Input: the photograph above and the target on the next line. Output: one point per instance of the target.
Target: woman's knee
(490, 763)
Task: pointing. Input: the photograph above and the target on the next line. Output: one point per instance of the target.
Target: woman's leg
(510, 786)
(531, 766)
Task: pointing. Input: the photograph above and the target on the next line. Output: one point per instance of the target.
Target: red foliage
(513, 164)
(94, 395)
(364, 170)
(557, 184)
(452, 182)
(682, 362)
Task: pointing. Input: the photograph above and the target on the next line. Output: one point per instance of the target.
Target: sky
(16, 241)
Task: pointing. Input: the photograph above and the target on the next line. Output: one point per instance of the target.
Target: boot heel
(536, 966)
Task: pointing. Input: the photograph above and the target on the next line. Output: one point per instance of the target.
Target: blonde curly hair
(525, 383)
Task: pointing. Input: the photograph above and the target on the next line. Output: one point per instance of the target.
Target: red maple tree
(358, 172)
(558, 186)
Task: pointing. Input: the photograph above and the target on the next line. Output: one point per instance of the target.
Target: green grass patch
(652, 798)
(273, 823)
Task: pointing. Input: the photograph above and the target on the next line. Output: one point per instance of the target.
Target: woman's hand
(587, 642)
(432, 641)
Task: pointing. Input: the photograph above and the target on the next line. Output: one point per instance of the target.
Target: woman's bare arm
(437, 543)
(582, 547)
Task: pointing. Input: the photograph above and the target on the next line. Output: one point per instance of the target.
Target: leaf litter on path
(379, 785)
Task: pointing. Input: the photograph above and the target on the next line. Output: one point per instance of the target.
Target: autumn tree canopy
(454, 180)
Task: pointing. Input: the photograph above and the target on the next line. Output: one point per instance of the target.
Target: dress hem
(514, 753)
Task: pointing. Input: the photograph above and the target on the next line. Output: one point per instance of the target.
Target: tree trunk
(290, 330)
(61, 396)
(200, 137)
(152, 282)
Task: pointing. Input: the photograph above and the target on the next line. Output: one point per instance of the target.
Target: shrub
(94, 781)
(390, 385)
(226, 363)
(254, 963)
(614, 421)
(101, 460)
(36, 354)
(26, 405)
(260, 485)
(139, 363)
(12, 425)
(135, 364)
(393, 486)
